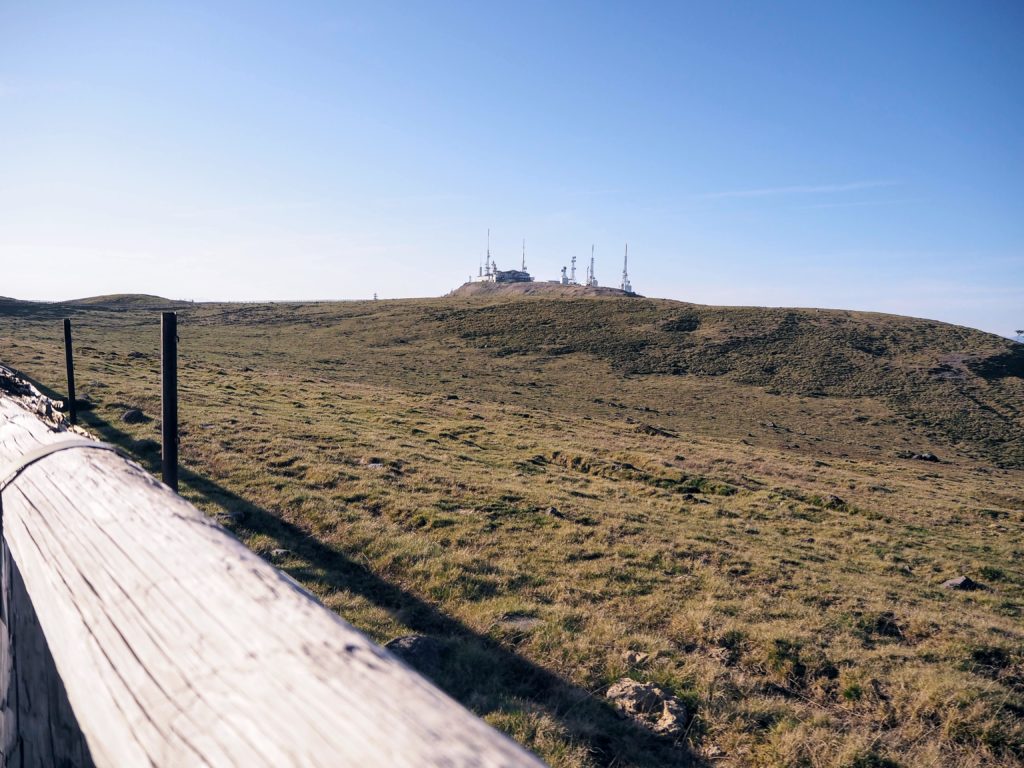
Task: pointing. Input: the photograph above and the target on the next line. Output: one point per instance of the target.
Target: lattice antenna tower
(625, 272)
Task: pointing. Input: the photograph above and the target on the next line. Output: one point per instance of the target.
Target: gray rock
(649, 705)
(636, 658)
(965, 583)
(925, 457)
(134, 416)
(277, 554)
(419, 651)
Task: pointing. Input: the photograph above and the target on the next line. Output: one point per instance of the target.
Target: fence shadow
(473, 668)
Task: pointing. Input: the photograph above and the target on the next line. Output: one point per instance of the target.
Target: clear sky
(865, 155)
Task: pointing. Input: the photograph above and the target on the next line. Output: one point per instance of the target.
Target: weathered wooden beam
(176, 645)
(38, 728)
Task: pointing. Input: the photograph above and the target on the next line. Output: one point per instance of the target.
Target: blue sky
(860, 155)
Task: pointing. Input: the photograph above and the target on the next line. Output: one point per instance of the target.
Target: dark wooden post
(169, 384)
(69, 358)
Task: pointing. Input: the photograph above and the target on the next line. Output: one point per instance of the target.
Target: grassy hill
(566, 490)
(953, 382)
(128, 301)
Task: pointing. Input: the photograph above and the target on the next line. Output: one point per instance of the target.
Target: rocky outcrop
(650, 706)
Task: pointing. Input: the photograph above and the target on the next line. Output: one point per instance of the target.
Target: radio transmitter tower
(625, 272)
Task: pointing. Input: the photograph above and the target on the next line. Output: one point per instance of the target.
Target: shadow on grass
(474, 669)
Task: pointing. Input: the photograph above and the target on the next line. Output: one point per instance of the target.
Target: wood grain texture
(178, 646)
(39, 727)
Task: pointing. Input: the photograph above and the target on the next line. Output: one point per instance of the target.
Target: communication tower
(591, 279)
(625, 272)
(488, 262)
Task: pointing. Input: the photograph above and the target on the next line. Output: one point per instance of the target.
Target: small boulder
(636, 658)
(964, 583)
(419, 651)
(925, 457)
(134, 416)
(277, 554)
(649, 705)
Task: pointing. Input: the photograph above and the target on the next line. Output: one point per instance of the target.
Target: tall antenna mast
(591, 280)
(488, 250)
(572, 274)
(524, 254)
(625, 272)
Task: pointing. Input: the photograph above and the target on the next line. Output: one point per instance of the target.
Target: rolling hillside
(753, 509)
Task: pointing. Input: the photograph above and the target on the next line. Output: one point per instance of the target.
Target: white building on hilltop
(489, 272)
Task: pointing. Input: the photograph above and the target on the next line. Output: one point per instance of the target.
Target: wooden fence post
(69, 359)
(169, 404)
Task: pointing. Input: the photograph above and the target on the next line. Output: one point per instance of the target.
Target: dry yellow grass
(452, 468)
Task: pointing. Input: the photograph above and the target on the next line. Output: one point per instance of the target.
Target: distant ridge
(128, 301)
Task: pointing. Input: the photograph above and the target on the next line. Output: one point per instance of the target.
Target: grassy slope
(129, 301)
(727, 489)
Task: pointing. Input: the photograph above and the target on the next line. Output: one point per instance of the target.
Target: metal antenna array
(488, 271)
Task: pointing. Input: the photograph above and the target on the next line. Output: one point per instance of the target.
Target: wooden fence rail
(138, 632)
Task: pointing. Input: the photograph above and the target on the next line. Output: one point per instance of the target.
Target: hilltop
(753, 509)
(547, 289)
(128, 301)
